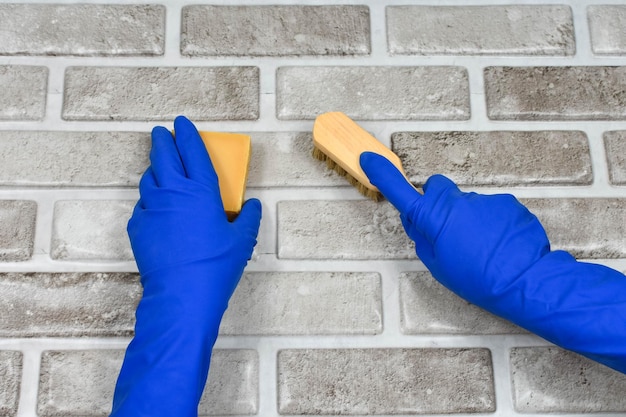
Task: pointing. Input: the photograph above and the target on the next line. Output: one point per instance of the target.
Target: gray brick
(68, 304)
(341, 230)
(91, 230)
(496, 158)
(161, 93)
(484, 30)
(10, 381)
(385, 381)
(283, 159)
(233, 384)
(615, 143)
(556, 93)
(552, 380)
(81, 383)
(304, 303)
(73, 159)
(81, 29)
(23, 92)
(374, 93)
(606, 25)
(427, 307)
(586, 227)
(275, 30)
(17, 233)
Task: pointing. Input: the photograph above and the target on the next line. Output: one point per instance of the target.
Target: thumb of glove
(249, 219)
(390, 181)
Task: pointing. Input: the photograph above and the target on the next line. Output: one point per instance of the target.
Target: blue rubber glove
(493, 252)
(190, 258)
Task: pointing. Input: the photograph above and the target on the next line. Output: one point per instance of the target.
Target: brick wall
(335, 314)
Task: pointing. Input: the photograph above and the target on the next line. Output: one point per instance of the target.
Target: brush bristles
(367, 192)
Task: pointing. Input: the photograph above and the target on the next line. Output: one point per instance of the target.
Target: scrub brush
(339, 141)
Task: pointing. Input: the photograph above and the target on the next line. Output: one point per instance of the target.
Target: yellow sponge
(230, 154)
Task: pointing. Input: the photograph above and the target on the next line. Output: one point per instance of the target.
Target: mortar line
(30, 382)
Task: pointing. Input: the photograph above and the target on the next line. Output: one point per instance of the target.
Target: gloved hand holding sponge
(190, 258)
(489, 249)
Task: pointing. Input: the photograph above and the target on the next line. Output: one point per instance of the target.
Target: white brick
(81, 383)
(233, 384)
(68, 304)
(373, 93)
(427, 307)
(586, 227)
(78, 382)
(481, 30)
(302, 303)
(91, 230)
(23, 92)
(73, 159)
(385, 381)
(615, 144)
(341, 230)
(496, 158)
(17, 232)
(552, 380)
(556, 93)
(606, 26)
(81, 29)
(283, 159)
(11, 372)
(161, 93)
(275, 30)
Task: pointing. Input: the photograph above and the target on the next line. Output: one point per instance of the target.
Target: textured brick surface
(606, 25)
(588, 228)
(233, 384)
(23, 92)
(548, 379)
(68, 304)
(91, 230)
(494, 30)
(305, 303)
(161, 93)
(373, 93)
(18, 229)
(283, 159)
(81, 29)
(10, 381)
(430, 308)
(502, 97)
(81, 383)
(341, 230)
(275, 30)
(76, 159)
(496, 158)
(385, 381)
(615, 143)
(556, 93)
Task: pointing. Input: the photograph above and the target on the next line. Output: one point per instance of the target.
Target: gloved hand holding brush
(190, 258)
(490, 250)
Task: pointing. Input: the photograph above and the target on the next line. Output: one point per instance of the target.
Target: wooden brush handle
(343, 141)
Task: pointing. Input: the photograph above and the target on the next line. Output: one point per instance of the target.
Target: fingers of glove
(249, 218)
(164, 158)
(196, 161)
(389, 181)
(439, 183)
(148, 188)
(441, 198)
